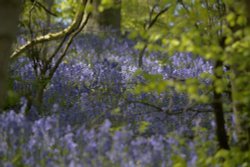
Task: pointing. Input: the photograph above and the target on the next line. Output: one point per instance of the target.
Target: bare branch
(38, 4)
(170, 110)
(153, 21)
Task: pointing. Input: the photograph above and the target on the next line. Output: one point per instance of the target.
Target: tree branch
(52, 36)
(83, 24)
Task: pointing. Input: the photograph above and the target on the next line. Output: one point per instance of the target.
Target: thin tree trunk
(9, 15)
(141, 54)
(39, 97)
(218, 110)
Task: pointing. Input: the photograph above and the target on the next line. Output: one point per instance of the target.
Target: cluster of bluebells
(45, 142)
(97, 76)
(94, 84)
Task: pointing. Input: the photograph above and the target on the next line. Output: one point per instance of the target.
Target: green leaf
(89, 8)
(222, 154)
(143, 126)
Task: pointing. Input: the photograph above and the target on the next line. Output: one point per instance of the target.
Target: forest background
(125, 82)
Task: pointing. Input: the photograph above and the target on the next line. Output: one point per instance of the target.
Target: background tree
(9, 16)
(106, 16)
(186, 104)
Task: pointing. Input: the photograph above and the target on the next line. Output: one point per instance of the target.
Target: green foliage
(12, 99)
(143, 126)
(106, 4)
(225, 158)
(178, 161)
(66, 8)
(217, 31)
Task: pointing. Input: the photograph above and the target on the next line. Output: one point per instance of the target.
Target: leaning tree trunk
(109, 19)
(9, 15)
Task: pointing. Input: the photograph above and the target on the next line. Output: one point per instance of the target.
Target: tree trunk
(218, 110)
(9, 15)
(39, 97)
(105, 21)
